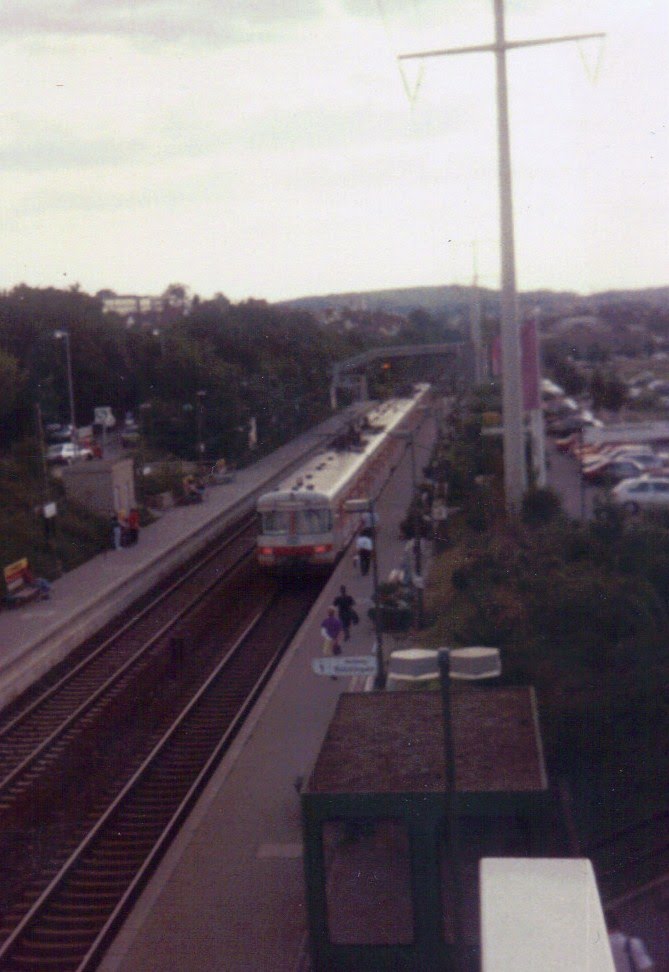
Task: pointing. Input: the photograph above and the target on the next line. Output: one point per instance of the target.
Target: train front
(296, 531)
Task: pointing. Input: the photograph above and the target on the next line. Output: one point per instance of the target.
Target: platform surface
(230, 893)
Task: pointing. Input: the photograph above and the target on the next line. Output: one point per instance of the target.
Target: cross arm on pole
(493, 48)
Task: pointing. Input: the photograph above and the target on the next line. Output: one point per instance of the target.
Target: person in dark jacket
(346, 610)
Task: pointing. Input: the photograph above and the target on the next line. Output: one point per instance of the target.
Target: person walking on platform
(331, 629)
(364, 549)
(347, 615)
(133, 526)
(369, 520)
(116, 532)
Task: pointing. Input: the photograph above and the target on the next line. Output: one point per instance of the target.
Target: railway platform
(229, 895)
(37, 636)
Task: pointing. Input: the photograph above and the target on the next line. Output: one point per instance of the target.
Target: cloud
(167, 21)
(267, 147)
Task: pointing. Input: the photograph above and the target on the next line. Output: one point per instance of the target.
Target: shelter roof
(393, 742)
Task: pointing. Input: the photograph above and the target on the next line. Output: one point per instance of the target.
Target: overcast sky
(274, 148)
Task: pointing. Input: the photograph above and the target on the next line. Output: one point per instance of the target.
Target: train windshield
(275, 522)
(307, 521)
(313, 521)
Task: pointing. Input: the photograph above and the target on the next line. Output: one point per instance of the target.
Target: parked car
(58, 433)
(644, 457)
(643, 492)
(66, 453)
(568, 443)
(612, 471)
(573, 423)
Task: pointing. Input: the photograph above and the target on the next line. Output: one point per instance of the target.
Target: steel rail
(125, 627)
(105, 687)
(215, 681)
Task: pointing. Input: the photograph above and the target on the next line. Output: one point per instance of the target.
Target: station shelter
(388, 849)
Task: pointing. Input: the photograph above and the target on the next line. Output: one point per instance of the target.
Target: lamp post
(201, 395)
(580, 474)
(157, 333)
(366, 505)
(65, 336)
(485, 664)
(452, 822)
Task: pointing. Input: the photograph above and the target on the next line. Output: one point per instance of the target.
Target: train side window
(275, 522)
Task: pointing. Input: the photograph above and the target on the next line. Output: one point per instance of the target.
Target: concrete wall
(104, 487)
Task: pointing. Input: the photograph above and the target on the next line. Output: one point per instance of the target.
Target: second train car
(303, 524)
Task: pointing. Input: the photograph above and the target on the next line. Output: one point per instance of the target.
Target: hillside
(450, 299)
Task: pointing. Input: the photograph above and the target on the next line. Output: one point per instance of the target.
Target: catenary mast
(515, 468)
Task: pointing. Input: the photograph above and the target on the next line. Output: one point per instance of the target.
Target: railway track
(70, 922)
(152, 612)
(48, 715)
(70, 749)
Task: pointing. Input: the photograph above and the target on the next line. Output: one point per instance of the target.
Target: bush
(540, 506)
(590, 612)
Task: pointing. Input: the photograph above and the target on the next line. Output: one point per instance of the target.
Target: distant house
(132, 305)
(379, 323)
(144, 310)
(584, 322)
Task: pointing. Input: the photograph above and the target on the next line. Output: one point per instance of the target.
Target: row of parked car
(63, 451)
(564, 416)
(637, 474)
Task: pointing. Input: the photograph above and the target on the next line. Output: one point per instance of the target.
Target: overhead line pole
(475, 322)
(515, 467)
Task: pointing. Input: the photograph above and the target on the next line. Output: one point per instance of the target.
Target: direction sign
(345, 665)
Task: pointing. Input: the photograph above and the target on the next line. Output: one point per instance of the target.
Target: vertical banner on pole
(496, 356)
(529, 359)
(529, 362)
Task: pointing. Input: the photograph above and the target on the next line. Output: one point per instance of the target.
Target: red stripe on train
(320, 548)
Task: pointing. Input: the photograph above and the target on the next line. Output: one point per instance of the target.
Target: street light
(366, 505)
(65, 336)
(468, 664)
(201, 395)
(157, 333)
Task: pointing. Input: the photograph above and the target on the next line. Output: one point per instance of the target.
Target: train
(304, 525)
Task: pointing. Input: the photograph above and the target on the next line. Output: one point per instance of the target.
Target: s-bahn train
(303, 523)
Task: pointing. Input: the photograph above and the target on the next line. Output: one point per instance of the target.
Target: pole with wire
(65, 336)
(515, 469)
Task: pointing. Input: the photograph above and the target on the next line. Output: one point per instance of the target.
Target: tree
(607, 391)
(12, 381)
(568, 376)
(540, 506)
(176, 301)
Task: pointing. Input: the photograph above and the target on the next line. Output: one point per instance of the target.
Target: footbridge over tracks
(352, 372)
